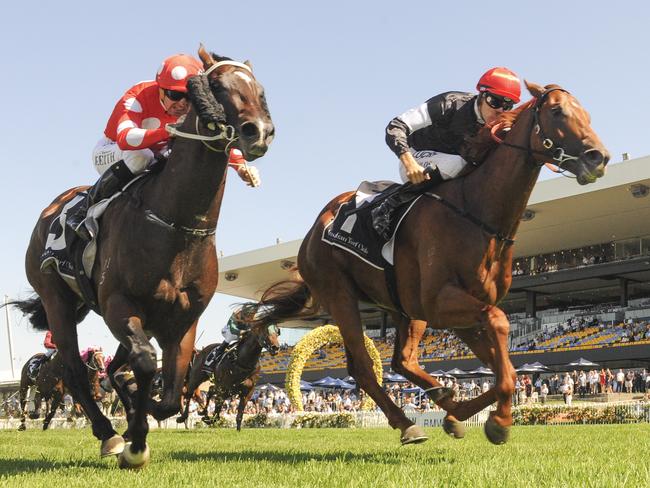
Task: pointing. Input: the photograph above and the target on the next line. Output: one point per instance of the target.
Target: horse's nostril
(249, 130)
(594, 156)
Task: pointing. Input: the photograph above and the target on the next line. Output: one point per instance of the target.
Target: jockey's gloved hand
(249, 174)
(414, 171)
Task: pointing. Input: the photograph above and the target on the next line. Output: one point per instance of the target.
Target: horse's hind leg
(345, 313)
(61, 315)
(119, 360)
(24, 390)
(406, 358)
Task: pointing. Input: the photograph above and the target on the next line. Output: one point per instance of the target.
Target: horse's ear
(249, 64)
(534, 89)
(205, 56)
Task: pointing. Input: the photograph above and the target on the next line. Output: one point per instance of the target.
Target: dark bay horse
(452, 262)
(156, 266)
(234, 373)
(50, 387)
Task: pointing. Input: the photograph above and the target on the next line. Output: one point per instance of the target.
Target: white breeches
(448, 164)
(227, 334)
(107, 153)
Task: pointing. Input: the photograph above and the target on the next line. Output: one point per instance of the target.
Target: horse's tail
(33, 307)
(285, 300)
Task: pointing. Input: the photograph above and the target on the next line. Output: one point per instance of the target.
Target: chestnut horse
(156, 267)
(49, 385)
(452, 260)
(234, 373)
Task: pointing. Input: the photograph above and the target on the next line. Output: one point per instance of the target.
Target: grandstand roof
(567, 216)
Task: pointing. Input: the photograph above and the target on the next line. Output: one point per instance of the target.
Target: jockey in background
(231, 333)
(432, 135)
(136, 133)
(50, 350)
(50, 347)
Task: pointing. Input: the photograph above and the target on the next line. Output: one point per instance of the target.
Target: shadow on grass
(430, 457)
(11, 467)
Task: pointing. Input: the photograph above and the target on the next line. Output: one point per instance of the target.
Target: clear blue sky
(335, 73)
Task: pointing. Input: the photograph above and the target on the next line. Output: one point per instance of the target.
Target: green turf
(559, 456)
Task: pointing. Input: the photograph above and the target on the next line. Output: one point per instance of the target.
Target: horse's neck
(249, 350)
(498, 191)
(189, 189)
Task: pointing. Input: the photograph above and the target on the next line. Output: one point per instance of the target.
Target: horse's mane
(479, 146)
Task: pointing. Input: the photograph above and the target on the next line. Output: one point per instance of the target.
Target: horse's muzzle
(255, 138)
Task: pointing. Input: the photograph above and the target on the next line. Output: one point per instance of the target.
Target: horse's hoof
(496, 433)
(130, 460)
(112, 446)
(45, 426)
(413, 435)
(438, 393)
(22, 427)
(453, 427)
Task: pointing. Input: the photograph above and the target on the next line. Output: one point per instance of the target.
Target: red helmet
(501, 81)
(175, 70)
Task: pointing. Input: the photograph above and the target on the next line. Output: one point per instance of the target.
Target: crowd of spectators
(582, 383)
(570, 258)
(626, 332)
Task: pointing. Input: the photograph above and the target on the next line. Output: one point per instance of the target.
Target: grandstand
(582, 255)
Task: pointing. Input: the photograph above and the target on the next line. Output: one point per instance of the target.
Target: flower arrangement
(312, 341)
(316, 420)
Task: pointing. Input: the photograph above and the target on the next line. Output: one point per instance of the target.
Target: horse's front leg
(245, 394)
(176, 360)
(55, 402)
(454, 308)
(127, 324)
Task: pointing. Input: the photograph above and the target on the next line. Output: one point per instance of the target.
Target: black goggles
(175, 96)
(497, 102)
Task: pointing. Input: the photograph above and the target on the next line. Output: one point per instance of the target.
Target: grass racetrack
(539, 456)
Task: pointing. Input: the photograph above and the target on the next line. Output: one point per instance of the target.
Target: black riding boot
(111, 181)
(382, 216)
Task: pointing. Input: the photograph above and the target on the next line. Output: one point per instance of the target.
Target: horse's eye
(557, 111)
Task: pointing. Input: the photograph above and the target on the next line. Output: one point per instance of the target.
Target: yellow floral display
(312, 341)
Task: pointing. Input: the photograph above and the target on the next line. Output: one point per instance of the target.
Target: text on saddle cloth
(352, 229)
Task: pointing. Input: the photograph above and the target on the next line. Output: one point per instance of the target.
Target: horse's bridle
(93, 360)
(552, 149)
(225, 132)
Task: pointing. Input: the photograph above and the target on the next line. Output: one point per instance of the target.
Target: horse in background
(452, 260)
(235, 372)
(49, 384)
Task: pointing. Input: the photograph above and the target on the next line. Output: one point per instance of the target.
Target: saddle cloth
(62, 244)
(352, 230)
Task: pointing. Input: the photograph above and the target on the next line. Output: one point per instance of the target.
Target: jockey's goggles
(496, 102)
(175, 96)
